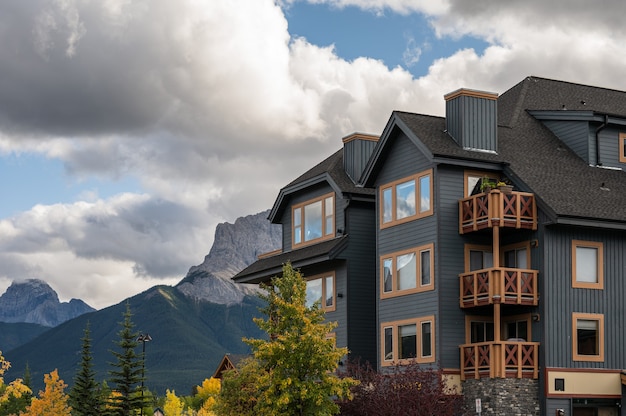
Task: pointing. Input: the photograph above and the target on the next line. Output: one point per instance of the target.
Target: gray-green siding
(560, 299)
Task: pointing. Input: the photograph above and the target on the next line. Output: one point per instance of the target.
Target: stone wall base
(503, 396)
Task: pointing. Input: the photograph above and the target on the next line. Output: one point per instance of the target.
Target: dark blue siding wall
(311, 193)
(472, 121)
(609, 146)
(560, 299)
(340, 313)
(355, 157)
(449, 183)
(575, 134)
(403, 160)
(580, 136)
(360, 296)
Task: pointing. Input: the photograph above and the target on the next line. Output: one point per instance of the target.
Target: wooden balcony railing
(498, 285)
(503, 359)
(515, 210)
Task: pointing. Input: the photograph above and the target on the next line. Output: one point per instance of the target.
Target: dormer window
(622, 147)
(314, 220)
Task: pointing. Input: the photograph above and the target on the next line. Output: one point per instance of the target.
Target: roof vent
(472, 119)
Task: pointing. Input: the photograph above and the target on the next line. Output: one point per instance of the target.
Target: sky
(130, 128)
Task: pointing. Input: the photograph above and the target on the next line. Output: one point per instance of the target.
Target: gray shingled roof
(265, 268)
(564, 184)
(330, 168)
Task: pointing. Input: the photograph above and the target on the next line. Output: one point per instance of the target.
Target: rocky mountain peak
(34, 301)
(235, 247)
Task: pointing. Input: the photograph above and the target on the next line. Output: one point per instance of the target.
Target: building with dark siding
(517, 293)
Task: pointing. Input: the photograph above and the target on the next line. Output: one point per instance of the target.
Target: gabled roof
(265, 268)
(566, 187)
(330, 170)
(229, 361)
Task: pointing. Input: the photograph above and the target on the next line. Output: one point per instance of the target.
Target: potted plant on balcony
(487, 184)
(504, 187)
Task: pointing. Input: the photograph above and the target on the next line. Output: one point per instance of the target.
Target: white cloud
(214, 108)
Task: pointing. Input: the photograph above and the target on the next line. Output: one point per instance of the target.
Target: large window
(314, 220)
(622, 147)
(407, 271)
(411, 339)
(588, 337)
(406, 199)
(321, 290)
(587, 265)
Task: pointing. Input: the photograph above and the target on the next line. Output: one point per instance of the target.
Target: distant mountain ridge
(34, 301)
(192, 324)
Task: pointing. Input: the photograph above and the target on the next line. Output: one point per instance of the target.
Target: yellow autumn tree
(210, 388)
(11, 395)
(52, 401)
(207, 407)
(173, 404)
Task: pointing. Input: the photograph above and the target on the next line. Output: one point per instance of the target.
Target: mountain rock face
(235, 246)
(34, 301)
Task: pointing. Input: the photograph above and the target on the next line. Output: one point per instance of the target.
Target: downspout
(598, 130)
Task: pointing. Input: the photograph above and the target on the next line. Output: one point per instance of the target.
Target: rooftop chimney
(472, 119)
(357, 149)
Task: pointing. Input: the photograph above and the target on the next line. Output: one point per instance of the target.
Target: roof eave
(590, 222)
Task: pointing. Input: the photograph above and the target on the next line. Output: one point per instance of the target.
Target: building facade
(516, 291)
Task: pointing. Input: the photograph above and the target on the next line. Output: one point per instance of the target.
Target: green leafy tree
(240, 389)
(85, 394)
(127, 373)
(298, 360)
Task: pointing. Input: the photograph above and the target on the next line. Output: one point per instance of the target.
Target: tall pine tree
(85, 394)
(127, 374)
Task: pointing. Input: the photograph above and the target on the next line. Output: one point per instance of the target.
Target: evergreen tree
(127, 373)
(297, 362)
(85, 395)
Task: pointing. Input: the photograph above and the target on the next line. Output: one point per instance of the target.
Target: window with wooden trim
(587, 264)
(622, 147)
(408, 271)
(478, 257)
(406, 199)
(408, 340)
(512, 328)
(515, 256)
(588, 336)
(313, 220)
(321, 290)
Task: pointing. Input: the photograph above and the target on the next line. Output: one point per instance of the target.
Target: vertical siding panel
(561, 299)
(404, 160)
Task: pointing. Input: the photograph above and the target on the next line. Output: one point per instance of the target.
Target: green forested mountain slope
(189, 338)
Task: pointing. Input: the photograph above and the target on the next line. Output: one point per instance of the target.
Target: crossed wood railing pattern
(500, 359)
(495, 208)
(498, 285)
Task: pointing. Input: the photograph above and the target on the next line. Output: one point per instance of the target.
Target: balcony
(486, 210)
(498, 285)
(503, 359)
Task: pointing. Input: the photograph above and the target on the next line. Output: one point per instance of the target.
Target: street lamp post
(143, 338)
